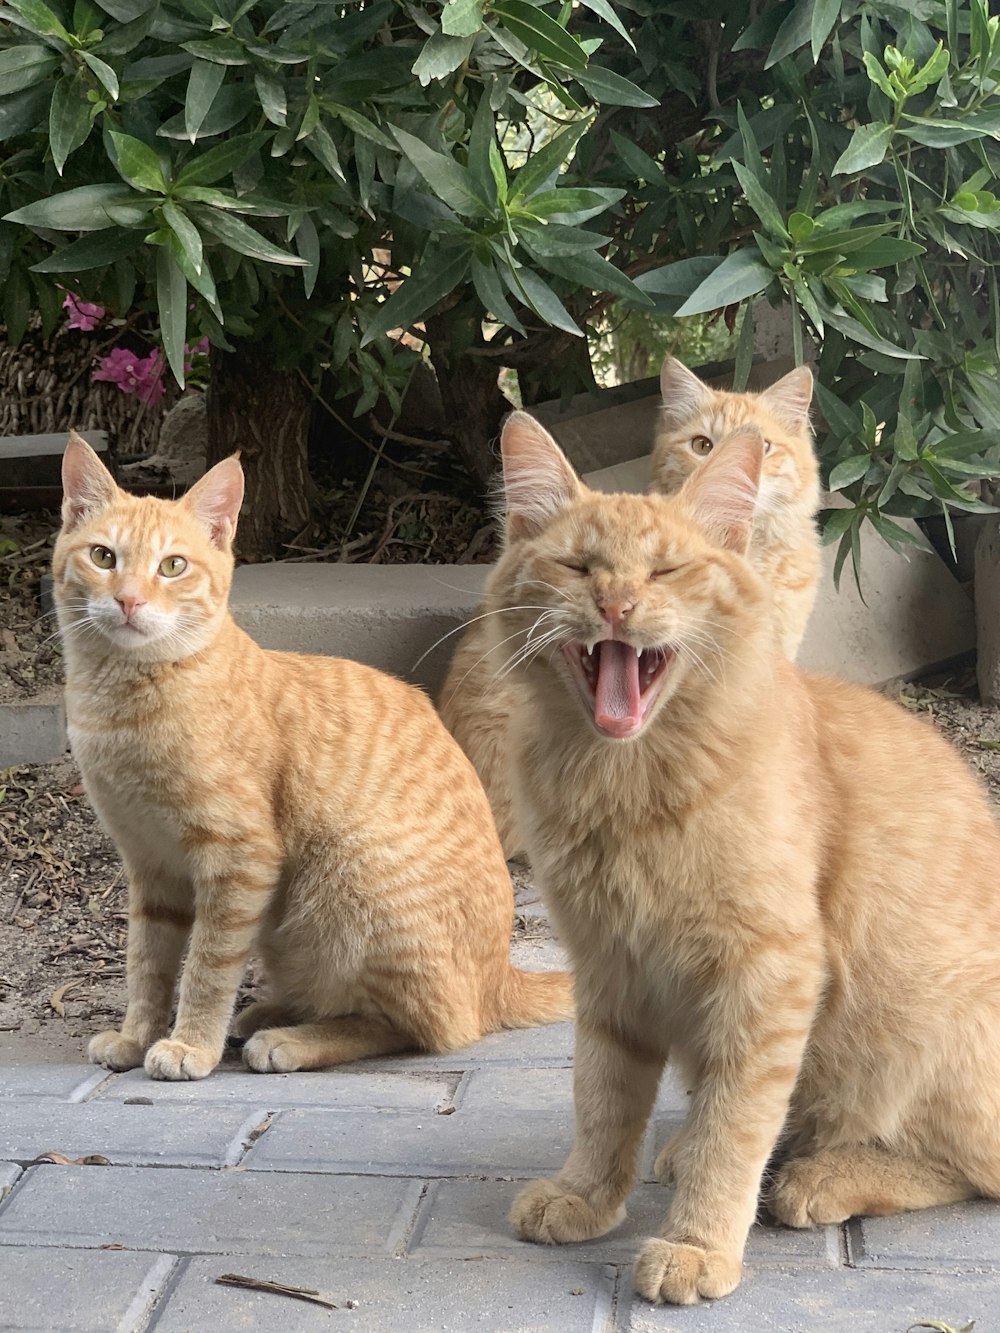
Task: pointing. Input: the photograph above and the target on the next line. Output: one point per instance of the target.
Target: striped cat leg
(260, 1015)
(160, 917)
(231, 900)
(861, 1180)
(614, 1087)
(751, 1049)
(335, 1041)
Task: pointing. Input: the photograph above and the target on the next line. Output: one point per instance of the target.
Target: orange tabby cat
(308, 808)
(481, 693)
(823, 967)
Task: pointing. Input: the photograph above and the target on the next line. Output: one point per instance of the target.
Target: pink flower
(82, 315)
(142, 376)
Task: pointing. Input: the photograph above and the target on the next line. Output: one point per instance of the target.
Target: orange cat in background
(481, 691)
(309, 809)
(783, 882)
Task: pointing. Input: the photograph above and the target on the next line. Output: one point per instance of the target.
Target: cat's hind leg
(333, 1041)
(260, 1015)
(614, 1090)
(862, 1180)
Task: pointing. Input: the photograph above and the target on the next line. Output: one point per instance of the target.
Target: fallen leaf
(113, 1246)
(942, 1327)
(60, 1159)
(446, 1110)
(58, 995)
(276, 1288)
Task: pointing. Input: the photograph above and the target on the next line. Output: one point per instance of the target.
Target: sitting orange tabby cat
(479, 695)
(785, 882)
(309, 808)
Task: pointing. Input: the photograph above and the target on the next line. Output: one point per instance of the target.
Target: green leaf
(850, 470)
(540, 297)
(171, 300)
(91, 251)
(220, 51)
(569, 205)
(868, 147)
(612, 90)
(125, 11)
(801, 226)
(681, 278)
(41, 18)
(25, 66)
(490, 293)
(361, 125)
(241, 238)
(540, 33)
(898, 537)
(186, 232)
(853, 329)
(462, 18)
(16, 305)
(604, 11)
(825, 16)
(833, 524)
(741, 274)
(590, 270)
(553, 239)
(69, 118)
(542, 166)
(885, 251)
(485, 181)
(417, 296)
(878, 76)
(322, 147)
(794, 32)
(761, 201)
(87, 208)
(204, 82)
(220, 161)
(105, 74)
(273, 100)
(451, 183)
(440, 55)
(138, 163)
(307, 244)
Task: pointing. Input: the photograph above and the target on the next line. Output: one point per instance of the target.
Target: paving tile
(353, 1089)
(64, 1082)
(551, 1044)
(212, 1212)
(807, 1300)
(9, 1172)
(396, 1296)
(429, 1145)
(128, 1135)
(73, 1291)
(464, 1218)
(964, 1235)
(539, 955)
(545, 1090)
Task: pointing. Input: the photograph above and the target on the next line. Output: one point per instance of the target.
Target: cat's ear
(682, 391)
(789, 398)
(537, 476)
(720, 495)
(215, 500)
(87, 483)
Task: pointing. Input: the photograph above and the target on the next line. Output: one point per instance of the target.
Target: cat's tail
(528, 999)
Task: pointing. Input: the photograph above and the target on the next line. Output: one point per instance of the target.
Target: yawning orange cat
(481, 692)
(308, 808)
(784, 882)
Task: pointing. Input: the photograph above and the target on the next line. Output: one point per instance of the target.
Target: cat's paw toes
(682, 1274)
(807, 1194)
(550, 1215)
(176, 1061)
(273, 1053)
(115, 1051)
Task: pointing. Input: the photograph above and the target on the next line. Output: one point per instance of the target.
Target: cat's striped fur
(785, 883)
(309, 809)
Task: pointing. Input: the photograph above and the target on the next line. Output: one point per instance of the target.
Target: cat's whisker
(465, 623)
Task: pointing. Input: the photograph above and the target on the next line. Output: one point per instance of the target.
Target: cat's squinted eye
(576, 566)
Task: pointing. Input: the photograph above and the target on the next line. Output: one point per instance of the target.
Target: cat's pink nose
(615, 609)
(129, 605)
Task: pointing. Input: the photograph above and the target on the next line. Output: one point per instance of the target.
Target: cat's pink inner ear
(216, 499)
(682, 391)
(538, 478)
(789, 398)
(721, 495)
(87, 483)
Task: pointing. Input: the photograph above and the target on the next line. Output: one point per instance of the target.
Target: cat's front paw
(807, 1193)
(681, 1274)
(176, 1060)
(274, 1051)
(550, 1215)
(115, 1051)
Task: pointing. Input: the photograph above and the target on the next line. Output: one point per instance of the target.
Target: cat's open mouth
(620, 683)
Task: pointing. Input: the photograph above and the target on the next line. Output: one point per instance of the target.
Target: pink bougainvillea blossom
(142, 376)
(82, 314)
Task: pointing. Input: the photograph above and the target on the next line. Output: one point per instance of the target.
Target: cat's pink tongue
(618, 699)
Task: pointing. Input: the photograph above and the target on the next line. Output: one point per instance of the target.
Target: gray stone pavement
(385, 1186)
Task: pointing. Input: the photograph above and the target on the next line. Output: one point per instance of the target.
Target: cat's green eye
(172, 565)
(702, 446)
(102, 557)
